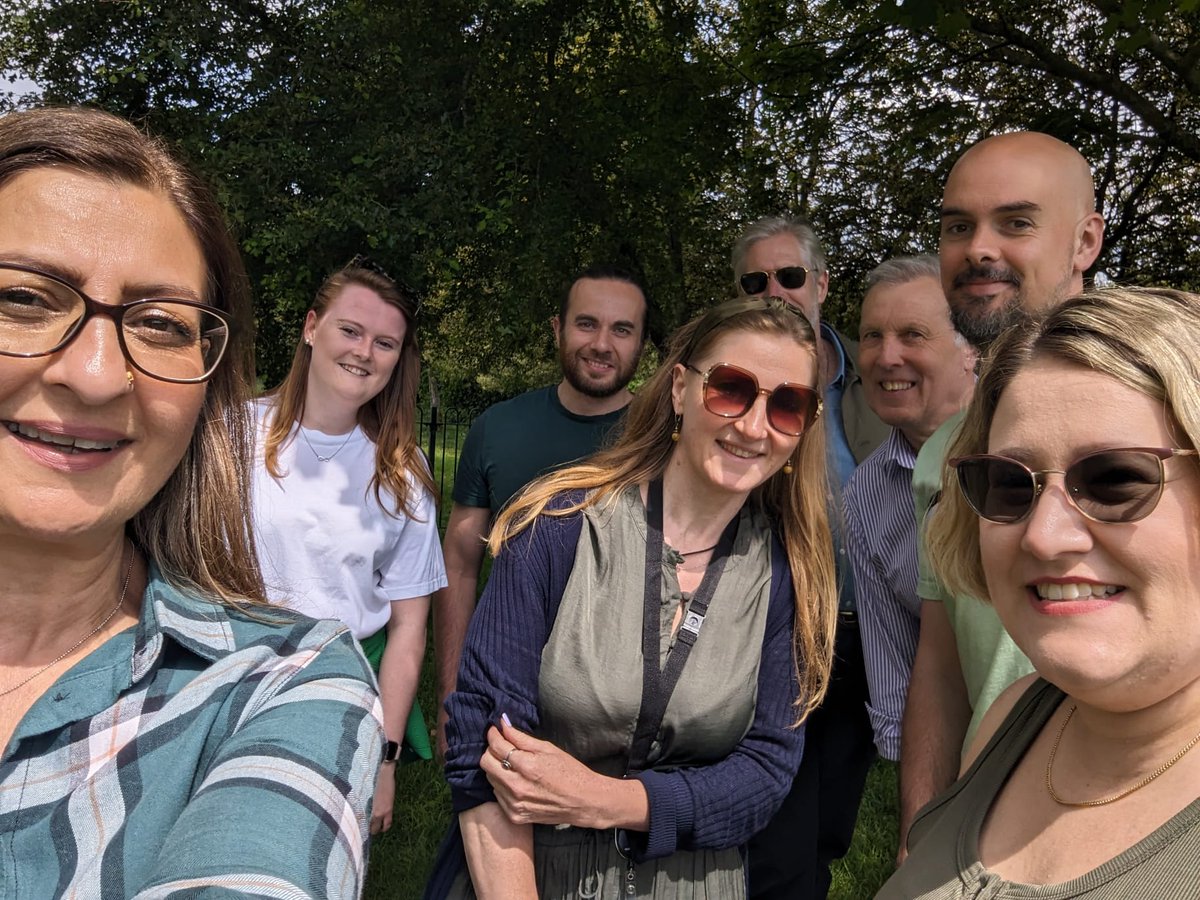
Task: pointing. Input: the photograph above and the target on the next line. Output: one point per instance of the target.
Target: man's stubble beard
(597, 390)
(982, 328)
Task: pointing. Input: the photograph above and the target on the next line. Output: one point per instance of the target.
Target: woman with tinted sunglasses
(658, 624)
(1074, 507)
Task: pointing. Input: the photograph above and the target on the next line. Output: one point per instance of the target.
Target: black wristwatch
(391, 751)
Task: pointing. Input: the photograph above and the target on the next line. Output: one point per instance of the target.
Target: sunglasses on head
(1107, 486)
(789, 277)
(362, 261)
(730, 392)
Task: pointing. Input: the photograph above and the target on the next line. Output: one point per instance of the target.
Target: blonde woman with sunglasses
(344, 508)
(658, 624)
(1072, 505)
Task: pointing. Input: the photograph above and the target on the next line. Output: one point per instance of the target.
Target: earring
(128, 381)
(787, 467)
(675, 433)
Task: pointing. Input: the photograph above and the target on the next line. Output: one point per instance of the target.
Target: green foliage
(485, 151)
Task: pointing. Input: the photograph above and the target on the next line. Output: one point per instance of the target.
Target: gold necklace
(1115, 797)
(83, 640)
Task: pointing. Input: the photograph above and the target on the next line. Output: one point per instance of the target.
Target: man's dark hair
(608, 273)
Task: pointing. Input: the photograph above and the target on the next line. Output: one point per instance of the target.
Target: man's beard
(981, 325)
(982, 320)
(571, 368)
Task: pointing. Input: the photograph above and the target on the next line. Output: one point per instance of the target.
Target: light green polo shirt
(990, 660)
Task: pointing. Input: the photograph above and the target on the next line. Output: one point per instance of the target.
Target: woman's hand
(545, 785)
(385, 799)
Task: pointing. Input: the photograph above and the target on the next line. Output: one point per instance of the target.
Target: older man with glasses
(790, 858)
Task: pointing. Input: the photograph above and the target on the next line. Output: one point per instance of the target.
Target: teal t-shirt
(515, 441)
(990, 660)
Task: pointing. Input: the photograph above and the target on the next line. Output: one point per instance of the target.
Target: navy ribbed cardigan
(714, 806)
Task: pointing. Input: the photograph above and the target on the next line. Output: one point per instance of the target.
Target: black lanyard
(658, 685)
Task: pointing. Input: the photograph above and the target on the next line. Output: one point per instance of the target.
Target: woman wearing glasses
(658, 622)
(344, 509)
(164, 731)
(1075, 511)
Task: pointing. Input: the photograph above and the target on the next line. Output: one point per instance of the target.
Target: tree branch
(1038, 56)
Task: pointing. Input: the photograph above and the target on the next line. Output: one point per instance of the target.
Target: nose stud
(128, 381)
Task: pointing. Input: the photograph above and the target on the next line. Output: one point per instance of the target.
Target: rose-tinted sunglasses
(730, 392)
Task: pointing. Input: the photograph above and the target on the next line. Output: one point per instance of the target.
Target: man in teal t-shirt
(600, 331)
(1018, 229)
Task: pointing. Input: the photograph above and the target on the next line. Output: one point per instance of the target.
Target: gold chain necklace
(83, 640)
(1115, 797)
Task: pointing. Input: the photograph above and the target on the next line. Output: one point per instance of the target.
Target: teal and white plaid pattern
(202, 753)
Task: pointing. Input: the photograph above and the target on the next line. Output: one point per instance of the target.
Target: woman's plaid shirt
(201, 753)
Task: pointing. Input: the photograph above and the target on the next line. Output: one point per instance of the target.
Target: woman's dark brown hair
(196, 529)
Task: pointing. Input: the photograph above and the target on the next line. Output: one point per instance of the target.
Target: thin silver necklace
(83, 640)
(331, 455)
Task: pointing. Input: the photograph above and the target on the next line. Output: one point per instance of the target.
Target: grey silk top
(590, 685)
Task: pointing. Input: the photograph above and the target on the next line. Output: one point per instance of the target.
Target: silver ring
(504, 763)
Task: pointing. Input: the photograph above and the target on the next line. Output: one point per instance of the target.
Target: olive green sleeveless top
(943, 861)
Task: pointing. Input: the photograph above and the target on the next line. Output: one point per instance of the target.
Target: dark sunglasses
(1108, 486)
(789, 278)
(730, 392)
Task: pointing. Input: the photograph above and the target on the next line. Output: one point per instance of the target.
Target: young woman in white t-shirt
(344, 509)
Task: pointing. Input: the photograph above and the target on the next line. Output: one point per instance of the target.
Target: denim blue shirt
(841, 466)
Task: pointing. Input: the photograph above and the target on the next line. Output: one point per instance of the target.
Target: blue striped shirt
(198, 753)
(881, 538)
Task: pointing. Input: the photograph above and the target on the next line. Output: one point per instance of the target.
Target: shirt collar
(832, 337)
(896, 449)
(201, 626)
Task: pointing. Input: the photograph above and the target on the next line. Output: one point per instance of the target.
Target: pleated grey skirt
(582, 864)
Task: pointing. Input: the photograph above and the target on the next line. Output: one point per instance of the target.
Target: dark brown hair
(197, 527)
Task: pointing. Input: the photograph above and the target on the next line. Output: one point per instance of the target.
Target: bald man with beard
(1019, 228)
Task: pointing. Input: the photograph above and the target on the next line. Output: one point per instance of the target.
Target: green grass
(401, 859)
(872, 855)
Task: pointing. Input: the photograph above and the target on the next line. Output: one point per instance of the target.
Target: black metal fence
(442, 431)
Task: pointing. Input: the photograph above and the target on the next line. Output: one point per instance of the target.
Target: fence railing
(441, 432)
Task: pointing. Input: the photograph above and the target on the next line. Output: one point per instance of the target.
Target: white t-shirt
(326, 547)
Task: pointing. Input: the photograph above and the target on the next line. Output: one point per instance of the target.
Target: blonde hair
(197, 528)
(389, 418)
(1145, 338)
(797, 503)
